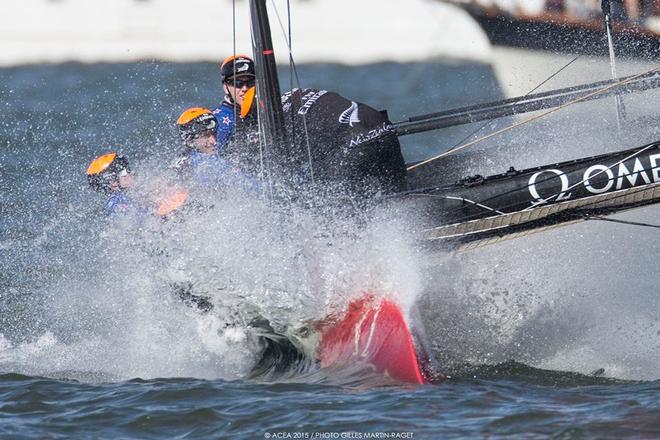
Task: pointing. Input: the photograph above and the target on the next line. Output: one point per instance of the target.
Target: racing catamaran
(473, 212)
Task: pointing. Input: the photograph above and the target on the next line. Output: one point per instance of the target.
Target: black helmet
(238, 65)
(106, 169)
(194, 122)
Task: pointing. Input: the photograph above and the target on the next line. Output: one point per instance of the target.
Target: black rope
(291, 63)
(293, 73)
(623, 222)
(233, 14)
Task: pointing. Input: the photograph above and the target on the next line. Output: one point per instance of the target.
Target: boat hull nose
(374, 332)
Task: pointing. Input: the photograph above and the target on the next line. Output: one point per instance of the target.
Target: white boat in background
(38, 31)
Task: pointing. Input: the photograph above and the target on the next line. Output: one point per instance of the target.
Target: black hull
(481, 210)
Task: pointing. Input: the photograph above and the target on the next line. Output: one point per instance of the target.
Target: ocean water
(553, 335)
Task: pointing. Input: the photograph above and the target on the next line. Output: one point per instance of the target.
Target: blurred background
(569, 25)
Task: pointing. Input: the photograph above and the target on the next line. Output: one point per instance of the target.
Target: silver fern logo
(350, 115)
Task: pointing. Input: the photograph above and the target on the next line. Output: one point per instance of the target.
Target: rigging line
(642, 188)
(233, 16)
(288, 13)
(264, 177)
(463, 199)
(623, 222)
(290, 50)
(525, 95)
(534, 118)
(289, 41)
(618, 100)
(294, 71)
(585, 216)
(233, 13)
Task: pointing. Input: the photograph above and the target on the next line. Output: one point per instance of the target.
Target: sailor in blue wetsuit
(201, 162)
(237, 135)
(111, 174)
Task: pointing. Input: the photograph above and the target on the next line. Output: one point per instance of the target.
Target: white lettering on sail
(638, 170)
(309, 100)
(564, 186)
(594, 170)
(370, 135)
(656, 170)
(288, 94)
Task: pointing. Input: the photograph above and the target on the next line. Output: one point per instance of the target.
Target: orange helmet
(195, 122)
(106, 169)
(236, 65)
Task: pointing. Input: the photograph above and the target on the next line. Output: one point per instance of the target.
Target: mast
(271, 121)
(618, 101)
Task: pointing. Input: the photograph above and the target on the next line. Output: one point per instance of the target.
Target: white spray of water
(111, 308)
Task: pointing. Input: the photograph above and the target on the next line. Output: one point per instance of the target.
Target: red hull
(373, 332)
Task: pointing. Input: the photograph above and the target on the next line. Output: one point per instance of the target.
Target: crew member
(237, 134)
(111, 175)
(201, 161)
(334, 140)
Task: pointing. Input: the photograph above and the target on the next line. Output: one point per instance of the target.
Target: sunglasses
(240, 83)
(205, 126)
(191, 136)
(108, 177)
